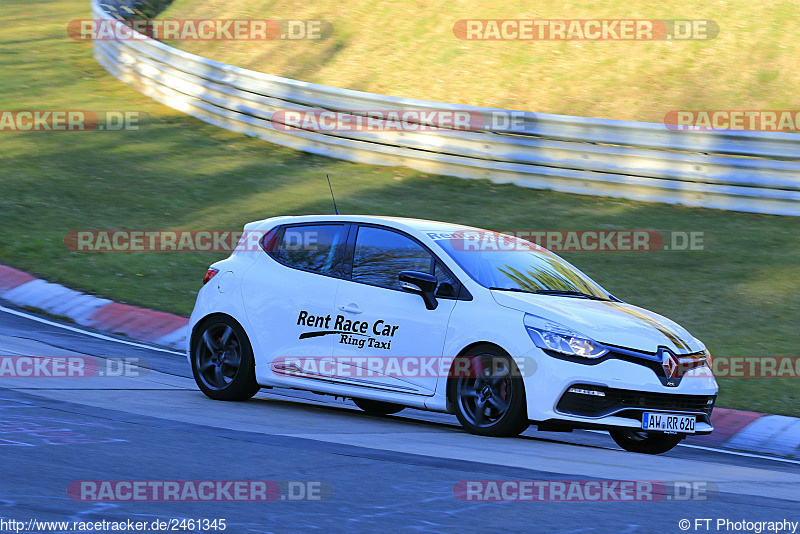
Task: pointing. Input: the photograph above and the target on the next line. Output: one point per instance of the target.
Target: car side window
(312, 247)
(381, 254)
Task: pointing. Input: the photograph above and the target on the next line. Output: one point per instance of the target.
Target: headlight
(546, 334)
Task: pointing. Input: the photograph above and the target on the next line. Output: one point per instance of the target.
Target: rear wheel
(222, 360)
(488, 393)
(377, 407)
(645, 442)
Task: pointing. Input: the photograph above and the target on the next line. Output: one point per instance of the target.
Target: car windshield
(501, 261)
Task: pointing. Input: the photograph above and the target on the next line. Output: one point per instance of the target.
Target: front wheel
(488, 393)
(222, 361)
(645, 442)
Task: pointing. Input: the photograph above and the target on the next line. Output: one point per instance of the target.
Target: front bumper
(629, 389)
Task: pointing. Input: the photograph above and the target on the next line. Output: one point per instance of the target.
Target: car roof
(404, 223)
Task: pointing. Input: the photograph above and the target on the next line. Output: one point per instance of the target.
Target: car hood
(612, 323)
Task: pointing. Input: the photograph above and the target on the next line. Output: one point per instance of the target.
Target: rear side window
(380, 255)
(314, 248)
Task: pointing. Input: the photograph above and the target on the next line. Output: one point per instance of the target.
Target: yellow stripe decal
(672, 336)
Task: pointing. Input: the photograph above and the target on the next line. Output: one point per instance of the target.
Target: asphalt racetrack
(329, 466)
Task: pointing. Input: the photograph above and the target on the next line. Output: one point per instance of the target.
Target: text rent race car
(398, 313)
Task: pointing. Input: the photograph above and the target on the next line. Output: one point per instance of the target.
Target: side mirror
(423, 284)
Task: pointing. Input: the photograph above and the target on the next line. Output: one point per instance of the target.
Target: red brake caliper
(476, 366)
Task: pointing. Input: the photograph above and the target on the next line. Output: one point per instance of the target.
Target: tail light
(209, 275)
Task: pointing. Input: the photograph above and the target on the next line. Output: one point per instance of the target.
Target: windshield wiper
(517, 289)
(556, 292)
(568, 293)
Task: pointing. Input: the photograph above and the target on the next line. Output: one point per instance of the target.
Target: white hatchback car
(395, 313)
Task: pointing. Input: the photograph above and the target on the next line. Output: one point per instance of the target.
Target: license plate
(668, 422)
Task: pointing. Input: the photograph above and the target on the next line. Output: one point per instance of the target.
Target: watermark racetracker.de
(584, 490)
(359, 334)
(199, 490)
(585, 29)
(705, 365)
(402, 120)
(720, 120)
(123, 525)
(72, 367)
(573, 240)
(755, 366)
(75, 120)
(200, 29)
(478, 240)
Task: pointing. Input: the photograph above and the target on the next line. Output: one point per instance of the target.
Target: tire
(645, 442)
(377, 407)
(222, 360)
(489, 397)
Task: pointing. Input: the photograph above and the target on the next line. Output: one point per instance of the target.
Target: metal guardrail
(732, 170)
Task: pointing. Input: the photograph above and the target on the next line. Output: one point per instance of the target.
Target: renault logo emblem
(670, 363)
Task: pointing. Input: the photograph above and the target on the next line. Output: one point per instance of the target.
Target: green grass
(408, 49)
(739, 294)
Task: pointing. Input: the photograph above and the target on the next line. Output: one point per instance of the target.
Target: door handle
(351, 308)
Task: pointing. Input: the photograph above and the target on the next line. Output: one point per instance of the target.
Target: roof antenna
(335, 209)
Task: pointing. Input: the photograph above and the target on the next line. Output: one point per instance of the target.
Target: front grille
(630, 403)
(647, 359)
